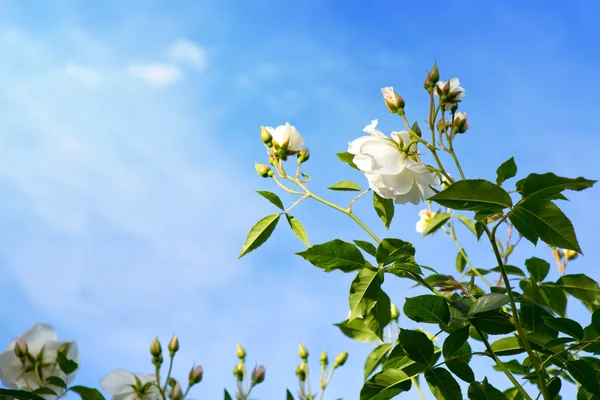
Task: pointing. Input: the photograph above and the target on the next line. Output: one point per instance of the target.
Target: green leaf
(474, 194)
(436, 223)
(346, 186)
(394, 250)
(581, 287)
(489, 302)
(427, 308)
(20, 394)
(288, 395)
(384, 209)
(544, 186)
(507, 170)
(347, 158)
(333, 255)
(358, 330)
(554, 297)
(56, 381)
(298, 229)
(368, 247)
(479, 229)
(510, 270)
(585, 374)
(583, 394)
(259, 233)
(385, 385)
(468, 222)
(67, 366)
(381, 314)
(542, 219)
(484, 391)
(596, 320)
(554, 387)
(376, 358)
(492, 322)
(538, 268)
(461, 369)
(454, 341)
(272, 197)
(417, 345)
(43, 391)
(507, 346)
(443, 385)
(565, 325)
(87, 393)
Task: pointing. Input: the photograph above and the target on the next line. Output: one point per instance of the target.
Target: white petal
(400, 183)
(454, 84)
(364, 162)
(10, 369)
(355, 145)
(37, 336)
(370, 129)
(117, 382)
(387, 156)
(420, 227)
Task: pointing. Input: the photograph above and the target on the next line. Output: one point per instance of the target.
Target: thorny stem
(513, 305)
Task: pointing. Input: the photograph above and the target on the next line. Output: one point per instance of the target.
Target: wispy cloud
(188, 52)
(156, 75)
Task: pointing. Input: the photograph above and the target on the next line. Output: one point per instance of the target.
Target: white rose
(286, 134)
(123, 386)
(425, 217)
(41, 343)
(455, 92)
(390, 172)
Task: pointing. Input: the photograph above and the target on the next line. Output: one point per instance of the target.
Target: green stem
(513, 305)
(296, 203)
(415, 382)
(453, 153)
(501, 365)
(334, 206)
(168, 373)
(452, 234)
(158, 385)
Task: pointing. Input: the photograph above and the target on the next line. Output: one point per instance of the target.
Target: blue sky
(129, 132)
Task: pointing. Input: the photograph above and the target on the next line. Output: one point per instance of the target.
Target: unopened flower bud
(21, 348)
(173, 345)
(238, 371)
(303, 156)
(394, 313)
(570, 254)
(393, 101)
(340, 359)
(266, 136)
(263, 170)
(240, 352)
(258, 375)
(171, 382)
(302, 352)
(324, 359)
(196, 375)
(175, 393)
(460, 123)
(416, 129)
(442, 125)
(301, 371)
(432, 78)
(155, 348)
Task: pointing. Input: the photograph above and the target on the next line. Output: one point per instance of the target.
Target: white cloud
(156, 75)
(186, 51)
(87, 75)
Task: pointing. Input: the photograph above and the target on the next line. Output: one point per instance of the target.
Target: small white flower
(461, 122)
(455, 92)
(286, 134)
(123, 385)
(425, 217)
(42, 345)
(389, 171)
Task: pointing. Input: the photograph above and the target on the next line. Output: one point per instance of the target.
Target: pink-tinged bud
(302, 352)
(21, 348)
(432, 78)
(155, 348)
(442, 125)
(196, 374)
(393, 101)
(266, 136)
(173, 346)
(340, 359)
(303, 156)
(263, 170)
(258, 375)
(460, 123)
(175, 393)
(171, 382)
